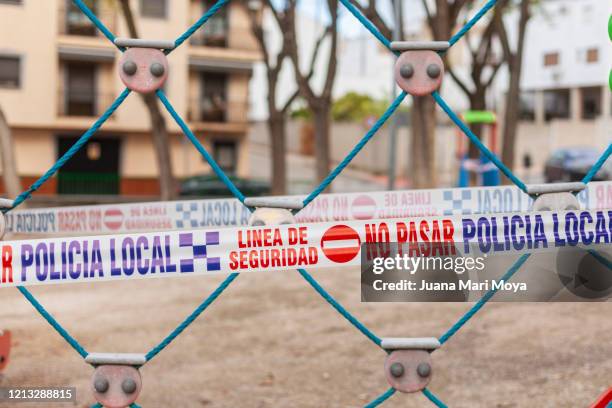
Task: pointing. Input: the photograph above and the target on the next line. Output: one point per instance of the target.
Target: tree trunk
(159, 131)
(423, 166)
(276, 128)
(322, 154)
(478, 102)
(515, 64)
(12, 185)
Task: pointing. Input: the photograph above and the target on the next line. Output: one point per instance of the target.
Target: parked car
(572, 164)
(210, 185)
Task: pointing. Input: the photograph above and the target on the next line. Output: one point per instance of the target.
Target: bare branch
(458, 81)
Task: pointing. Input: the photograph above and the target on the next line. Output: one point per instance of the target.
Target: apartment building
(58, 74)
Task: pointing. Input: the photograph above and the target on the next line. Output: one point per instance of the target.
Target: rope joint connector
(272, 211)
(555, 196)
(408, 366)
(116, 381)
(419, 69)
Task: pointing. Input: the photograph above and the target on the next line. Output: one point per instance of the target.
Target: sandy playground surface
(271, 341)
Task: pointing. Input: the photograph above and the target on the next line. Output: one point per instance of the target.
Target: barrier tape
(192, 214)
(317, 245)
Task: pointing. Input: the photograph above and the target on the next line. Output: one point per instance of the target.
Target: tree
(320, 104)
(277, 114)
(442, 23)
(12, 185)
(484, 69)
(514, 59)
(159, 129)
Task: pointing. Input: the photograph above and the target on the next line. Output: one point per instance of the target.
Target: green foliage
(351, 107)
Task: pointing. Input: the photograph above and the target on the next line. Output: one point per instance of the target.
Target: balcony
(83, 103)
(217, 111)
(215, 37)
(72, 21)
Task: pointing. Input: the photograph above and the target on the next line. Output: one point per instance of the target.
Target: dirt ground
(271, 341)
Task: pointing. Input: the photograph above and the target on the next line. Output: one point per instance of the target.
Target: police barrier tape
(191, 214)
(317, 245)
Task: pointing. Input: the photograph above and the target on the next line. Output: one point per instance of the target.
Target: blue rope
(75, 148)
(381, 398)
(466, 317)
(345, 162)
(194, 140)
(490, 155)
(473, 21)
(345, 313)
(430, 396)
(211, 12)
(191, 318)
(368, 25)
(96, 21)
(598, 165)
(51, 320)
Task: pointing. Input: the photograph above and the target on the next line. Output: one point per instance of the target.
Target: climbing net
(318, 190)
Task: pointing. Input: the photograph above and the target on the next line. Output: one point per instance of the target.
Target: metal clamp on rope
(143, 67)
(116, 381)
(272, 211)
(419, 69)
(408, 365)
(4, 204)
(555, 196)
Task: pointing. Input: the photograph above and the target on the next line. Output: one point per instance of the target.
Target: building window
(592, 55)
(225, 154)
(80, 89)
(77, 22)
(591, 102)
(10, 70)
(215, 31)
(527, 106)
(551, 59)
(213, 102)
(557, 104)
(153, 8)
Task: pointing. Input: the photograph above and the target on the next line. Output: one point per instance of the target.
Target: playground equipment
(408, 368)
(485, 170)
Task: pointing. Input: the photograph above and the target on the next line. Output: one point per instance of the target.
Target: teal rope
(368, 25)
(96, 21)
(211, 12)
(381, 398)
(351, 155)
(473, 21)
(194, 140)
(51, 320)
(339, 308)
(466, 317)
(430, 396)
(490, 155)
(71, 152)
(191, 318)
(598, 165)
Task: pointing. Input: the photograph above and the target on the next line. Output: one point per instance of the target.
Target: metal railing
(217, 111)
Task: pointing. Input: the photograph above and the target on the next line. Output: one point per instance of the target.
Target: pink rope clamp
(419, 69)
(408, 367)
(116, 381)
(143, 67)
